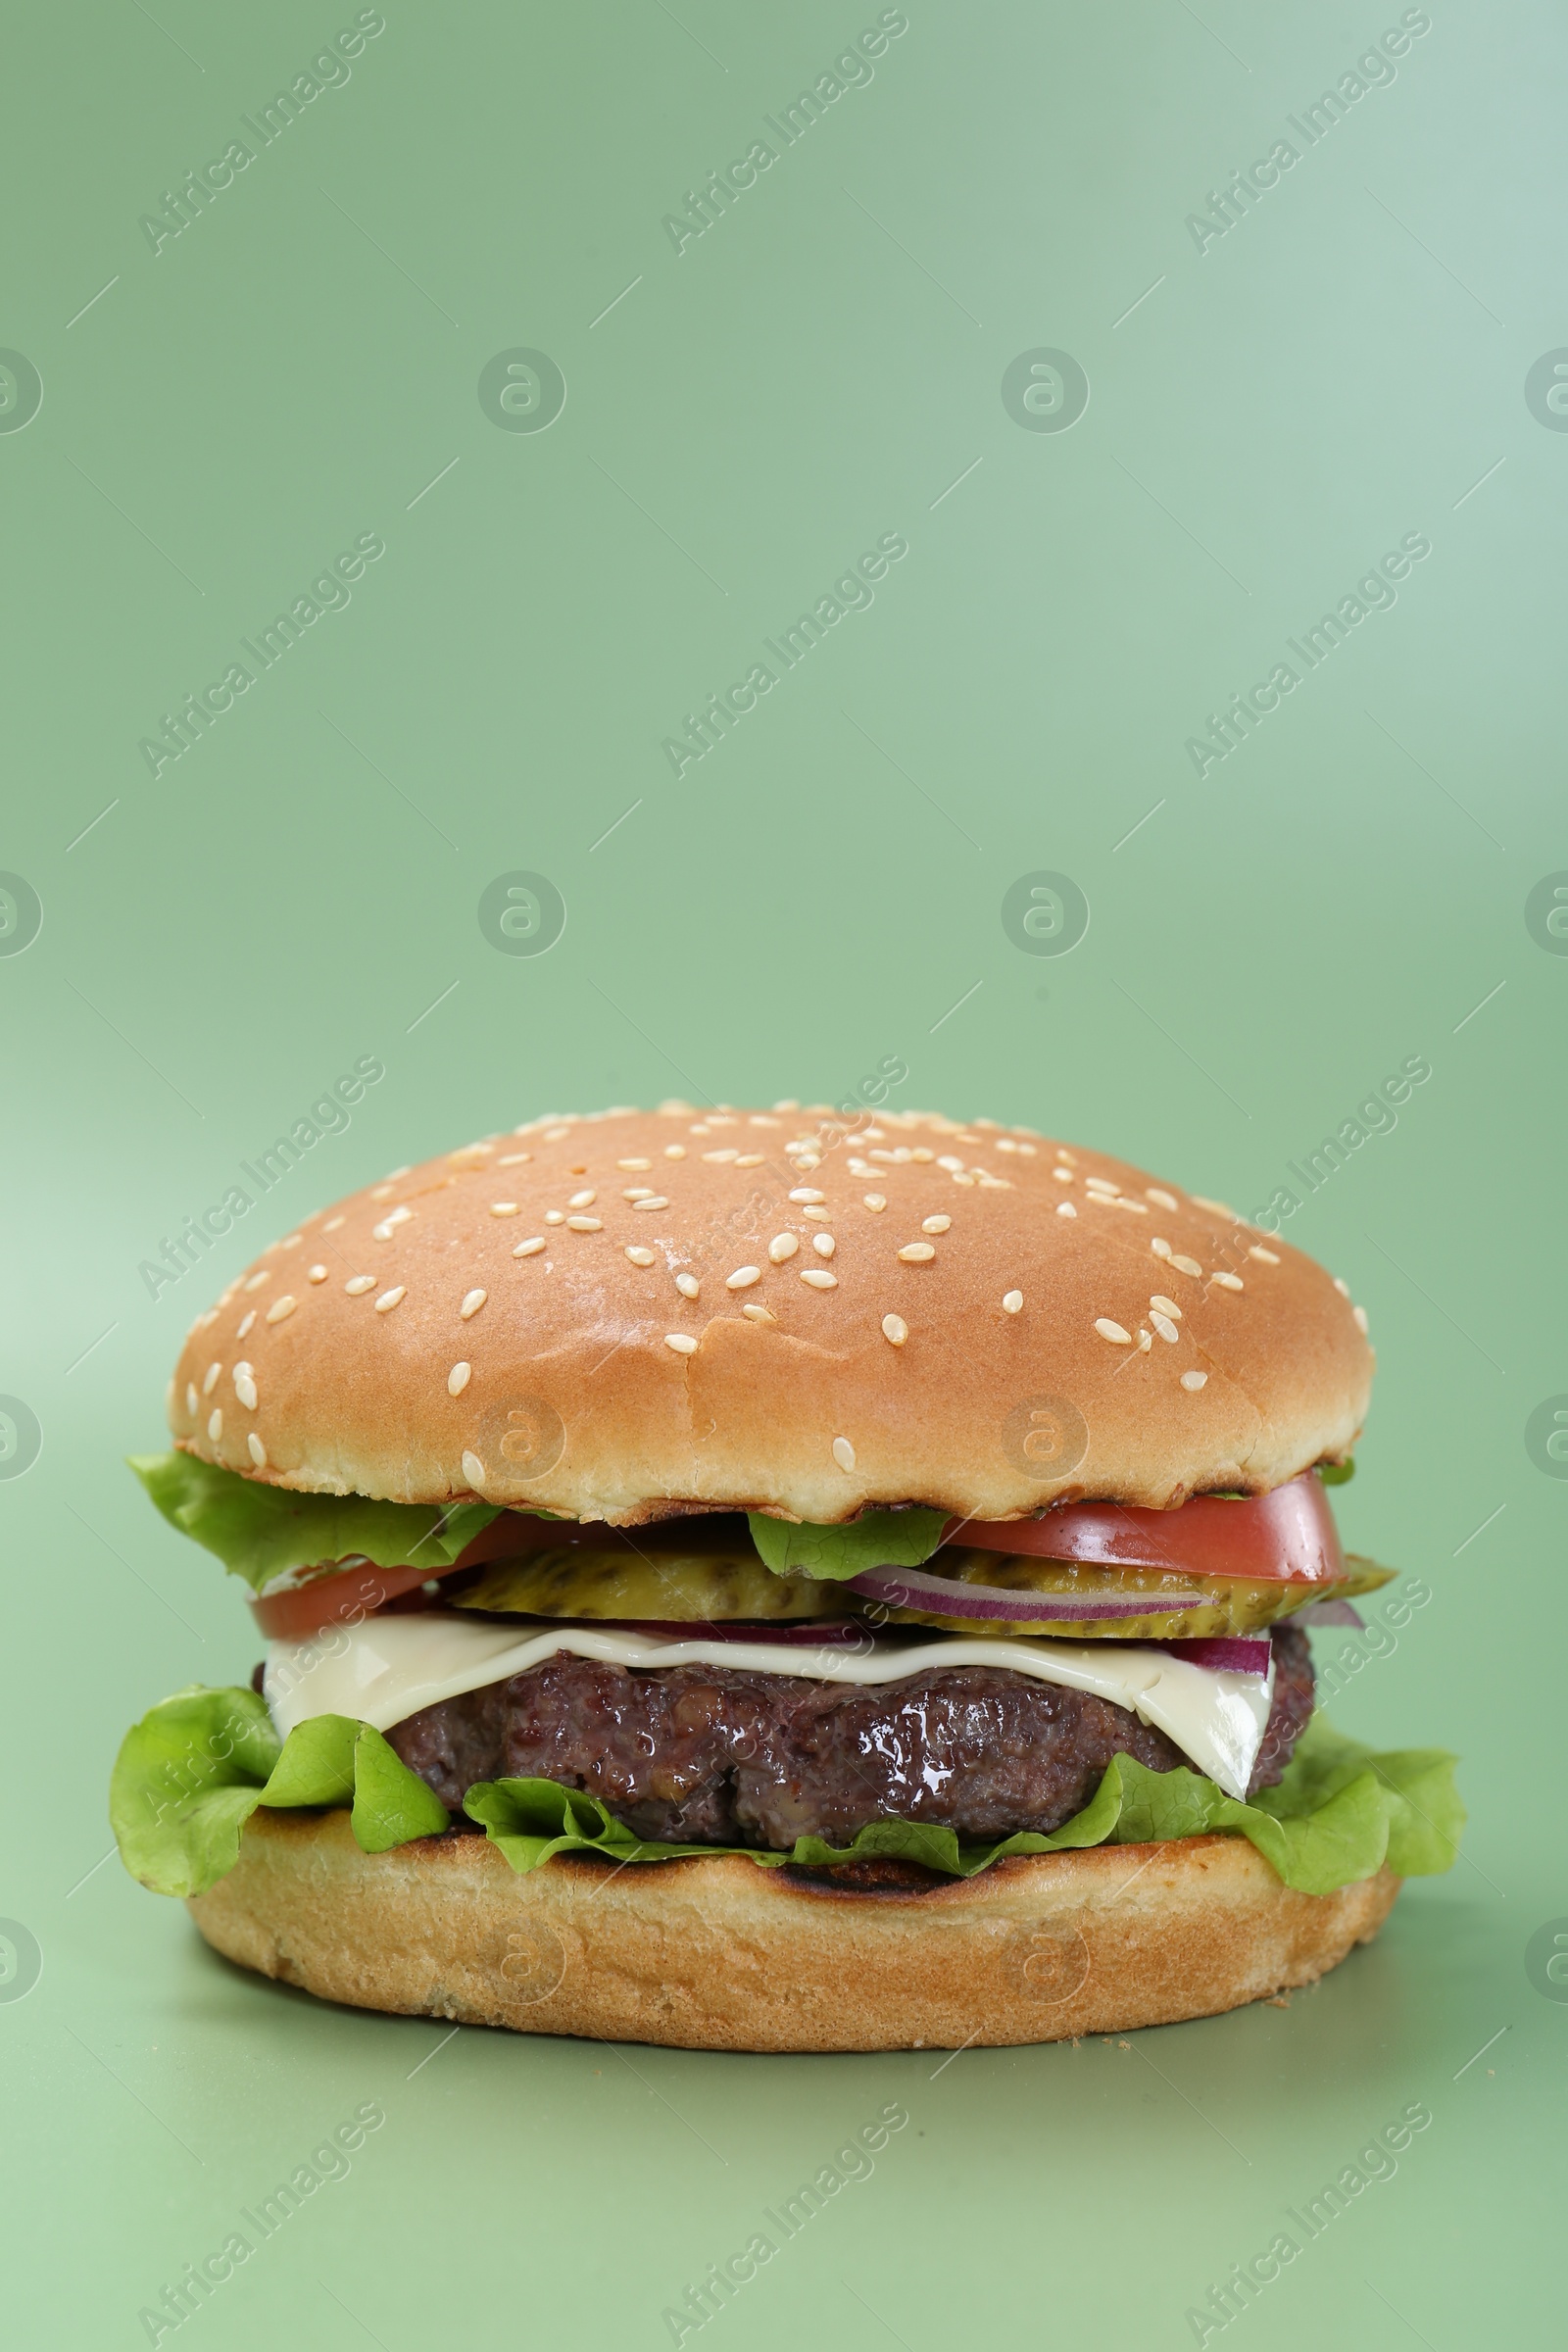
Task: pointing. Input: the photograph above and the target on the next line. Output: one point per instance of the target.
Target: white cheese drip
(391, 1667)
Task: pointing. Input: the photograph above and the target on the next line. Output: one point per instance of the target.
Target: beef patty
(720, 1755)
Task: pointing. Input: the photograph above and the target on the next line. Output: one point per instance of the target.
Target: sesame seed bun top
(642, 1312)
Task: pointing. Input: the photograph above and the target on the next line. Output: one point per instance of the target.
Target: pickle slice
(683, 1586)
(1231, 1604)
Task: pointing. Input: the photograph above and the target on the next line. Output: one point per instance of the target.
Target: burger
(774, 1581)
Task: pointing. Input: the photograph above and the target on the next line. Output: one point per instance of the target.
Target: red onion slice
(1328, 1612)
(943, 1596)
(1225, 1653)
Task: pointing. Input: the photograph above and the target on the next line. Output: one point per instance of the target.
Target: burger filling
(942, 1688)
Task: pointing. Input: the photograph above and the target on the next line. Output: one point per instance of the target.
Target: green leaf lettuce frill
(191, 1773)
(262, 1533)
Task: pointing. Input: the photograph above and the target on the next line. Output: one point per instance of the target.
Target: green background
(1344, 367)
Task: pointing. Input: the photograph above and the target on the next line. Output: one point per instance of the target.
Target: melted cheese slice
(391, 1667)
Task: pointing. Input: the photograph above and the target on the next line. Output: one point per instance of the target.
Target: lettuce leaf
(190, 1775)
(881, 1540)
(1341, 1812)
(261, 1531)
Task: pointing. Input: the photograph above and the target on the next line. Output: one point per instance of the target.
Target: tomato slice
(349, 1595)
(1287, 1537)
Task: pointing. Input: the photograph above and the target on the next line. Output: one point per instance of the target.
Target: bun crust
(725, 1955)
(398, 1346)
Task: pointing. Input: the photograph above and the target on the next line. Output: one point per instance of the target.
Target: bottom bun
(725, 1955)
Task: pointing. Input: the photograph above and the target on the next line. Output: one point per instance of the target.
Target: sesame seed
(1066, 1208)
(1165, 1326)
(382, 1231)
(210, 1383)
(915, 1254)
(638, 1191)
(257, 1450)
(895, 1330)
(1167, 1306)
(1213, 1208)
(357, 1286)
(474, 1470)
(1159, 1248)
(257, 1280)
(585, 1224)
(1063, 1175)
(458, 1378)
(245, 1323)
(687, 1284)
(473, 1304)
(658, 1201)
(844, 1453)
(960, 1177)
(639, 1256)
(924, 1154)
(952, 1164)
(1012, 1302)
(332, 1224)
(582, 1200)
(876, 1202)
(556, 1135)
(383, 1192)
(1135, 1207)
(820, 1279)
(935, 1224)
(632, 1166)
(1194, 1379)
(1267, 1258)
(1101, 1184)
(759, 1314)
(743, 1278)
(1359, 1315)
(1187, 1266)
(803, 1191)
(674, 1150)
(804, 1161)
(512, 1159)
(190, 1398)
(1109, 1330)
(215, 1423)
(781, 1247)
(823, 1244)
(245, 1386)
(281, 1308)
(1228, 1282)
(390, 1299)
(680, 1342)
(1064, 1153)
(816, 1214)
(555, 1216)
(1342, 1288)
(750, 1160)
(729, 1152)
(315, 1274)
(531, 1247)
(503, 1208)
(1160, 1198)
